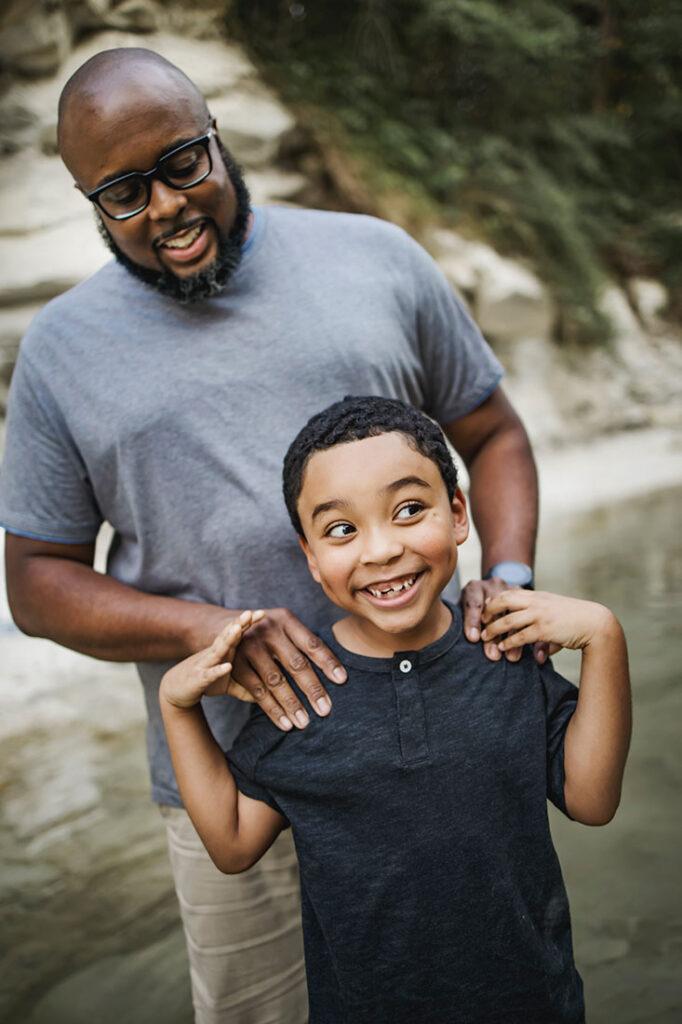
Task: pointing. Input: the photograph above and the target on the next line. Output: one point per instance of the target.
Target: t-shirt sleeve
(251, 744)
(561, 698)
(460, 369)
(44, 487)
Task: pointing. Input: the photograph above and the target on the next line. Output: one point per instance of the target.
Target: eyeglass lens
(182, 169)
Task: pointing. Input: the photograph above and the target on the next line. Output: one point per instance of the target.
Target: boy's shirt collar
(417, 659)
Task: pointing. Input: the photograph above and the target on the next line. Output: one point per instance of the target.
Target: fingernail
(323, 705)
(301, 718)
(285, 723)
(473, 634)
(339, 675)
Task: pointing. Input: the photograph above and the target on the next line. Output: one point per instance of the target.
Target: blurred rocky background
(535, 150)
(498, 139)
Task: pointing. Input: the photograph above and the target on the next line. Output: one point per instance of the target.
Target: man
(160, 394)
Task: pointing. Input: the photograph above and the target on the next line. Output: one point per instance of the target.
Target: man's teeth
(387, 590)
(183, 241)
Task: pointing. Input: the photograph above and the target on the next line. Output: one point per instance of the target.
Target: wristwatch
(516, 574)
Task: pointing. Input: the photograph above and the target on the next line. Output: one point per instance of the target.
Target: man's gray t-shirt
(171, 421)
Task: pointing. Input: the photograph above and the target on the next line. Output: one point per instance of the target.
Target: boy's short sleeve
(249, 787)
(561, 698)
(251, 743)
(45, 491)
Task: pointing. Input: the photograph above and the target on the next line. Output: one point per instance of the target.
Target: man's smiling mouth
(182, 239)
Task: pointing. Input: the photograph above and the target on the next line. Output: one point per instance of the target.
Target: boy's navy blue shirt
(431, 890)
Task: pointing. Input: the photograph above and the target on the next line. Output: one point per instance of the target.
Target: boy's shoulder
(258, 737)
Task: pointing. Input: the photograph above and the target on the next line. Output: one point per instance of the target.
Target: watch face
(515, 573)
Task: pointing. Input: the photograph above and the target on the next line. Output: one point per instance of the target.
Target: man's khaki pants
(243, 931)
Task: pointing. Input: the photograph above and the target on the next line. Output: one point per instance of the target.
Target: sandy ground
(90, 930)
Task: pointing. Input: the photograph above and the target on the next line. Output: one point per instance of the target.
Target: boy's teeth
(184, 241)
(394, 588)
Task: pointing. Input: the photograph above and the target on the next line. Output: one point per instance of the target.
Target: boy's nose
(380, 547)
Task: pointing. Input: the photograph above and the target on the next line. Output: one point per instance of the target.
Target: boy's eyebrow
(397, 485)
(405, 481)
(329, 506)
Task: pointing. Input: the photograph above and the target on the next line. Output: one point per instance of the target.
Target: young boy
(431, 891)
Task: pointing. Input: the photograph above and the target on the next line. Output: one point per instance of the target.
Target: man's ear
(460, 517)
(312, 563)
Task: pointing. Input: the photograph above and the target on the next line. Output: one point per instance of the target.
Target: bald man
(160, 395)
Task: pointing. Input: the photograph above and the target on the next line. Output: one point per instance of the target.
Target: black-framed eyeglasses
(182, 168)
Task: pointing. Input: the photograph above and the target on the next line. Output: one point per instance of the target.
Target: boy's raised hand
(529, 616)
(209, 672)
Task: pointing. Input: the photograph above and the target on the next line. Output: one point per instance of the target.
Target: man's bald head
(102, 83)
(121, 114)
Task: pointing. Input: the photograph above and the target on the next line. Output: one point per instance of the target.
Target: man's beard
(212, 279)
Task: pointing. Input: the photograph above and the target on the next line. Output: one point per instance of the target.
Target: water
(624, 879)
(89, 921)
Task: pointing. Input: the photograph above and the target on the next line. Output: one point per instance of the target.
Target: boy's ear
(312, 563)
(460, 517)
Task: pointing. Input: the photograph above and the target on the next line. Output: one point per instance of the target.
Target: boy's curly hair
(353, 419)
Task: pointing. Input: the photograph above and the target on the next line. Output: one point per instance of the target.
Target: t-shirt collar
(419, 659)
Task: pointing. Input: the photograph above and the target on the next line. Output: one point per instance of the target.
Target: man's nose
(165, 202)
(381, 545)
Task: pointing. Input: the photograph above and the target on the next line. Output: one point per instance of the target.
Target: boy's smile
(381, 539)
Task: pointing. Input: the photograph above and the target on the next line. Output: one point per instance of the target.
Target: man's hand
(475, 596)
(208, 673)
(527, 617)
(279, 641)
(473, 600)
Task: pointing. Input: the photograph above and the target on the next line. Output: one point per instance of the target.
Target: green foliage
(555, 126)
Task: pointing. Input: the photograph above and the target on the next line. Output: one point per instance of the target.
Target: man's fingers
(492, 652)
(303, 642)
(260, 694)
(296, 664)
(473, 599)
(544, 650)
(281, 644)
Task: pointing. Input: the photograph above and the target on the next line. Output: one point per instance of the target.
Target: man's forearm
(503, 496)
(68, 602)
(503, 492)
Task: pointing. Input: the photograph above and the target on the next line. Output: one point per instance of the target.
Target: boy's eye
(412, 508)
(340, 530)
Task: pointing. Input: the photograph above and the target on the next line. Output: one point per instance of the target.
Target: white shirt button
(405, 666)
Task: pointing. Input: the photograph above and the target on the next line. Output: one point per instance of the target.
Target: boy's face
(381, 534)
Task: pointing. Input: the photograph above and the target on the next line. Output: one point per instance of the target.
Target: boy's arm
(235, 829)
(598, 734)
